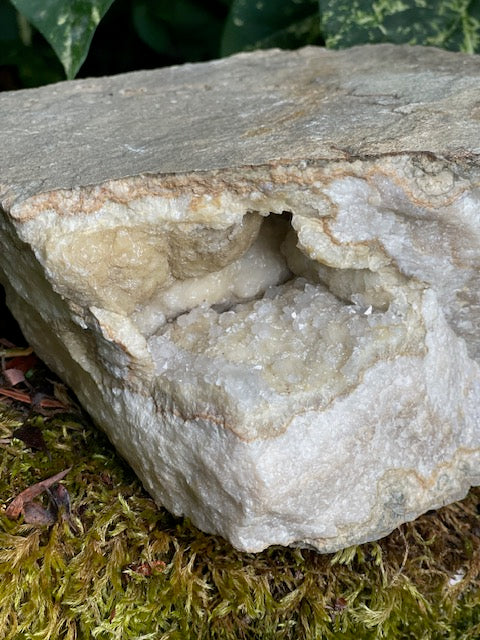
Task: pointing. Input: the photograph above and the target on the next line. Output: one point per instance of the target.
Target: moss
(132, 571)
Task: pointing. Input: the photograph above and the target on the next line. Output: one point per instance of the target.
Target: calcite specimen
(260, 275)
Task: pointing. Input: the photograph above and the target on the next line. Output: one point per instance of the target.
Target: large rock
(260, 275)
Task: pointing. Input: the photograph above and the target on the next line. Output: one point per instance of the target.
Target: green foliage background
(42, 42)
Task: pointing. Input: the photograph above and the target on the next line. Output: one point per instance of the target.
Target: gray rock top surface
(280, 107)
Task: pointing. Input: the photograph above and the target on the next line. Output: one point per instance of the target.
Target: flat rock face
(261, 276)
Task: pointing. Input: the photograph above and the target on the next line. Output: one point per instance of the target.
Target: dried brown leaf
(21, 396)
(17, 506)
(39, 400)
(13, 376)
(61, 500)
(31, 436)
(34, 513)
(24, 363)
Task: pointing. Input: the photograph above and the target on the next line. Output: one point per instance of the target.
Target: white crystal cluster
(297, 348)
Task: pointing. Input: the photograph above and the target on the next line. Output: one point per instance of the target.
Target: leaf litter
(18, 504)
(20, 368)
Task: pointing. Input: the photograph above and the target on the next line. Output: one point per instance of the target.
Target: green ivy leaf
(259, 24)
(67, 26)
(451, 24)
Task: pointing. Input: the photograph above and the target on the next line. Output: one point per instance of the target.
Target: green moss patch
(125, 569)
